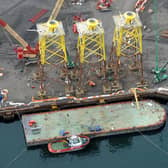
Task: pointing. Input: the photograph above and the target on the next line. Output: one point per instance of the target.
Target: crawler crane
(25, 50)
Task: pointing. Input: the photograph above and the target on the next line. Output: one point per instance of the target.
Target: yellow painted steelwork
(53, 25)
(134, 91)
(91, 47)
(52, 43)
(42, 48)
(127, 37)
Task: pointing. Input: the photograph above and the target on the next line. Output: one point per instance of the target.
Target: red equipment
(32, 123)
(103, 5)
(76, 19)
(91, 83)
(26, 51)
(38, 15)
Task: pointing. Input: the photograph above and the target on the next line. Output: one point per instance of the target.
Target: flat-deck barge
(93, 121)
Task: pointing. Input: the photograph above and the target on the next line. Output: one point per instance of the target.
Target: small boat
(72, 143)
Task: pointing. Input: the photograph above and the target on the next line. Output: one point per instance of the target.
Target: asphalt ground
(19, 79)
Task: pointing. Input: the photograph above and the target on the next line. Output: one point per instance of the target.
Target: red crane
(26, 51)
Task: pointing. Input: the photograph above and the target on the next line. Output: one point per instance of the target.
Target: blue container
(62, 132)
(1, 97)
(98, 128)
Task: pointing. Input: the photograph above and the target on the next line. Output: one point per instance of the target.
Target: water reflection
(117, 142)
(166, 107)
(111, 144)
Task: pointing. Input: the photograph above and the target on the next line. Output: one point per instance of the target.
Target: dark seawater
(124, 151)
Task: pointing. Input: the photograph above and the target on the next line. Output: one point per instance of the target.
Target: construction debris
(77, 2)
(104, 5)
(75, 20)
(15, 104)
(150, 10)
(91, 83)
(3, 96)
(164, 34)
(1, 72)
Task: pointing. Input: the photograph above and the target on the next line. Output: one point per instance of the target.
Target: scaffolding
(127, 39)
(52, 43)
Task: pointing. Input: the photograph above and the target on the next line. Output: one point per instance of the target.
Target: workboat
(72, 143)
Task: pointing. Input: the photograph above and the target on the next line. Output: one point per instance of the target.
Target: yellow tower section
(52, 43)
(91, 47)
(127, 39)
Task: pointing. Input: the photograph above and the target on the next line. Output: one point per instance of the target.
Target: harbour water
(126, 151)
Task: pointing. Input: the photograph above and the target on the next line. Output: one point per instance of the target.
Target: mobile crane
(56, 10)
(25, 50)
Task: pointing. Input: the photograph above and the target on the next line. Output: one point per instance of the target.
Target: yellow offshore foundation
(52, 42)
(91, 47)
(127, 38)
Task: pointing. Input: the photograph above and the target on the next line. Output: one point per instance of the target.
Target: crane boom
(13, 33)
(56, 10)
(25, 50)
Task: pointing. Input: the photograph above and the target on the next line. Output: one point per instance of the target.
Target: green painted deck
(59, 145)
(110, 117)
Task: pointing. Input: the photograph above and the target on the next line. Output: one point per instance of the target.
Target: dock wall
(12, 112)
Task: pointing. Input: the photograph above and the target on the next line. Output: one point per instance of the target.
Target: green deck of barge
(109, 117)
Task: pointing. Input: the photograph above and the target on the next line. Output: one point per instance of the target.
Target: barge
(93, 121)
